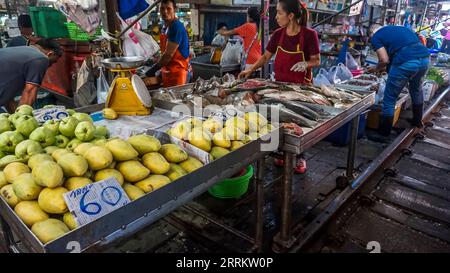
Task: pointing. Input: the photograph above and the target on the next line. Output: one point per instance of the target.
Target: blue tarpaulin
(130, 8)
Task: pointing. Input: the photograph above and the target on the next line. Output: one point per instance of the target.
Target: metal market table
(146, 210)
(294, 145)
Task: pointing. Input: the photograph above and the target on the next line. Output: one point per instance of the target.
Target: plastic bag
(332, 75)
(219, 40)
(138, 43)
(85, 92)
(350, 62)
(88, 4)
(87, 19)
(102, 87)
(231, 54)
(343, 73)
(321, 78)
(380, 93)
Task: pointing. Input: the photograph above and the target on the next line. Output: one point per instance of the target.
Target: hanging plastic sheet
(87, 19)
(129, 8)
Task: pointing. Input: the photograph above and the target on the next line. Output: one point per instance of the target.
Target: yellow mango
(156, 163)
(153, 182)
(133, 170)
(191, 164)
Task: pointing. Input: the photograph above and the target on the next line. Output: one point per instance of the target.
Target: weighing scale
(127, 94)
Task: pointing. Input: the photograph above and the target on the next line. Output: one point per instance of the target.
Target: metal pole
(336, 14)
(424, 15)
(396, 11)
(352, 147)
(286, 206)
(371, 16)
(139, 17)
(264, 25)
(259, 204)
(113, 27)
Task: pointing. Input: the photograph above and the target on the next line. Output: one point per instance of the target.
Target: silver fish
(287, 115)
(289, 95)
(296, 107)
(267, 91)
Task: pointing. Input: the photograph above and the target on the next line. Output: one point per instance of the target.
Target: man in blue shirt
(23, 69)
(174, 43)
(406, 59)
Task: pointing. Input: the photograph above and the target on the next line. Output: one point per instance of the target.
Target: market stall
(156, 200)
(295, 116)
(142, 212)
(326, 116)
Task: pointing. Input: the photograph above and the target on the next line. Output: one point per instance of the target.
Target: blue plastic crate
(341, 136)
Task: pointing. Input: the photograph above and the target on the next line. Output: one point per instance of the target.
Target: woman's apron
(285, 59)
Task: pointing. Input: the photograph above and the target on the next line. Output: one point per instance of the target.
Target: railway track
(403, 205)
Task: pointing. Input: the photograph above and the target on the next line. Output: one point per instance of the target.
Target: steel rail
(309, 231)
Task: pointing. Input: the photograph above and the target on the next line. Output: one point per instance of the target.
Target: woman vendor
(249, 33)
(296, 50)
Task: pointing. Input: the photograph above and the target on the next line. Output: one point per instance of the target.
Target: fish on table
(296, 107)
(289, 95)
(287, 115)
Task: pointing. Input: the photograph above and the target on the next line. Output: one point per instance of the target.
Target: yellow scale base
(123, 99)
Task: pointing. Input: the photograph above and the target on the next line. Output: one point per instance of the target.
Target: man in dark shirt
(26, 31)
(407, 59)
(23, 69)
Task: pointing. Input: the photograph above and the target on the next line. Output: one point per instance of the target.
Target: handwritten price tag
(95, 200)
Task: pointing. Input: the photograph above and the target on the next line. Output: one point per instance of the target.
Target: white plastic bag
(102, 87)
(138, 43)
(231, 54)
(350, 62)
(147, 42)
(343, 73)
(87, 4)
(380, 93)
(219, 41)
(332, 75)
(321, 78)
(428, 89)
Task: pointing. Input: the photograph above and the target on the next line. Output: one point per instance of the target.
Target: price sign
(44, 114)
(95, 200)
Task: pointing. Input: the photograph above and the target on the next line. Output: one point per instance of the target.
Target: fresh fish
(287, 115)
(310, 96)
(323, 90)
(320, 113)
(317, 98)
(289, 95)
(342, 103)
(267, 91)
(354, 94)
(296, 107)
(332, 93)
